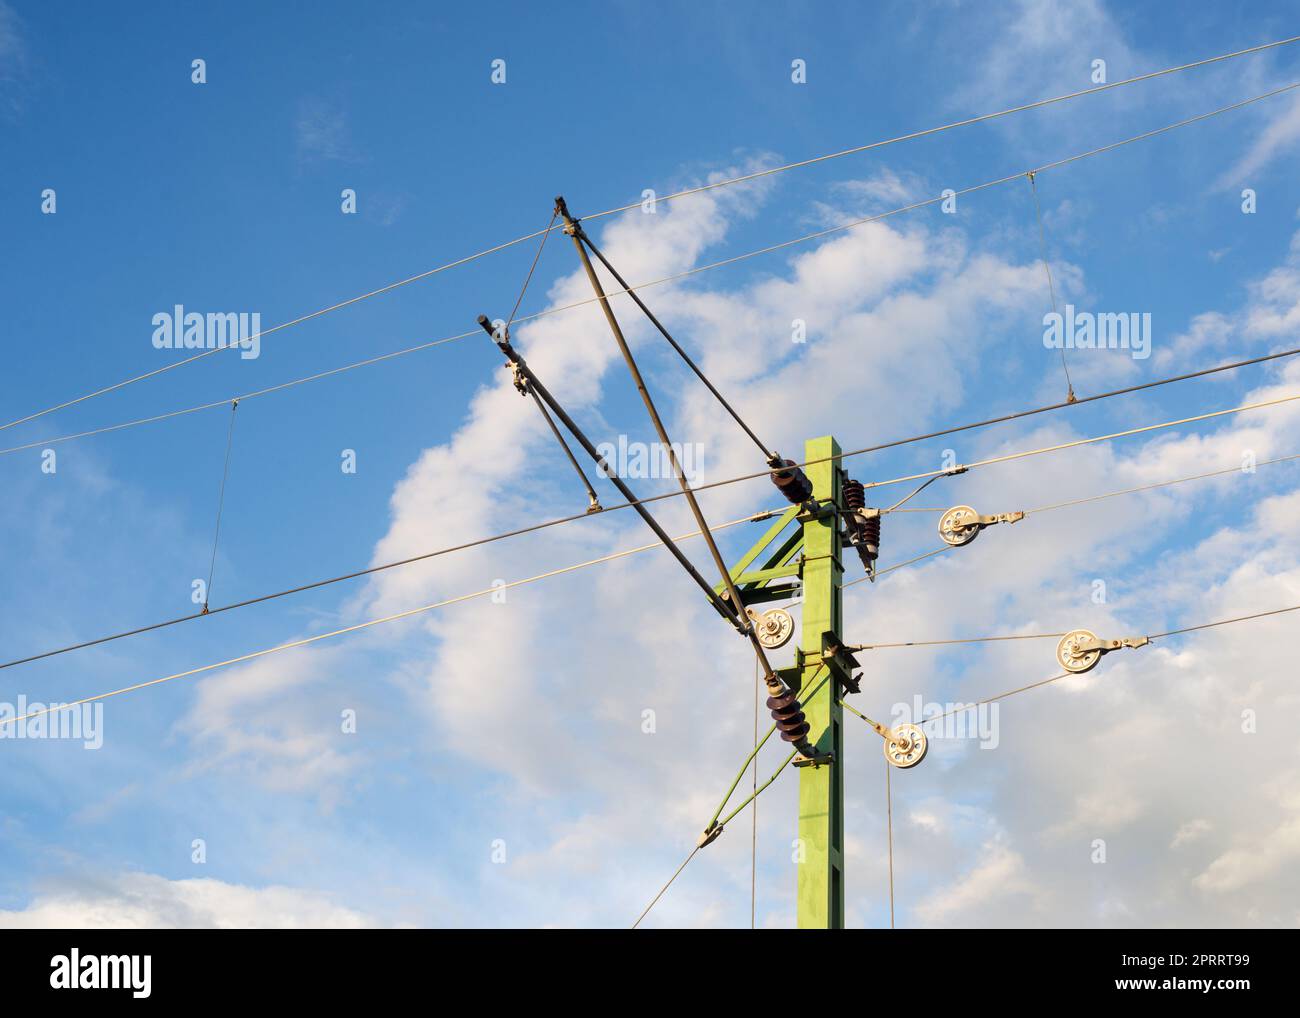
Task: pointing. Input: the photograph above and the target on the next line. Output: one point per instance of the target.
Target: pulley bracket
(1081, 649)
(961, 524)
(840, 661)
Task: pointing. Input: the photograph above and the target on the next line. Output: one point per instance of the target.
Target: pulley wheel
(906, 746)
(1068, 655)
(774, 628)
(955, 526)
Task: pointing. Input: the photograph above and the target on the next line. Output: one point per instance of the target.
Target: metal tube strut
(572, 227)
(503, 343)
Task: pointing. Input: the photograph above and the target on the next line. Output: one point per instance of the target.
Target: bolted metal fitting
(961, 524)
(1080, 650)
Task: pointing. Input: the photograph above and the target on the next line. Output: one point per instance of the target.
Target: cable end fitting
(571, 225)
(709, 836)
(500, 336)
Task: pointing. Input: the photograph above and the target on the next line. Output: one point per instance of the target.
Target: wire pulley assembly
(1080, 650)
(774, 627)
(906, 745)
(961, 524)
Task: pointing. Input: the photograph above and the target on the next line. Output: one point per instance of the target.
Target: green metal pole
(820, 866)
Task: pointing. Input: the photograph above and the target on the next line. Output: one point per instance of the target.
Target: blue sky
(521, 722)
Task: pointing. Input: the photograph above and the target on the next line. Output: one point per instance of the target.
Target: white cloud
(1263, 859)
(1038, 48)
(1190, 832)
(1277, 138)
(997, 879)
(147, 901)
(547, 689)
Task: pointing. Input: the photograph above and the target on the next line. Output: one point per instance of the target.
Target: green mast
(821, 788)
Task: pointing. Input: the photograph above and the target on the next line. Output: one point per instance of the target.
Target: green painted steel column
(821, 789)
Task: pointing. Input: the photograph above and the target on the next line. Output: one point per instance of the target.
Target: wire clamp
(841, 662)
(572, 227)
(814, 759)
(961, 524)
(709, 836)
(1080, 650)
(519, 378)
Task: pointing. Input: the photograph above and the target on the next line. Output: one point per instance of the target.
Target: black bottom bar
(930, 969)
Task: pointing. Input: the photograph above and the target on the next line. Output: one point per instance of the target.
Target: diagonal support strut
(502, 341)
(574, 229)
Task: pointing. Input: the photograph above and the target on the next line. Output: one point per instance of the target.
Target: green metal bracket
(781, 562)
(841, 663)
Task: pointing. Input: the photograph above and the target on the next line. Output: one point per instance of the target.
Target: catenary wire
(221, 504)
(1047, 267)
(264, 332)
(1049, 636)
(1009, 457)
(765, 514)
(1066, 675)
(755, 517)
(948, 127)
(397, 616)
(715, 184)
(613, 293)
(1078, 501)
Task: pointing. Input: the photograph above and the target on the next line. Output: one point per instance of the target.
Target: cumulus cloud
(555, 676)
(148, 901)
(1277, 137)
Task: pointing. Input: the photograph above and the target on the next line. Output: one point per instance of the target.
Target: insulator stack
(864, 534)
(791, 480)
(789, 717)
(869, 545)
